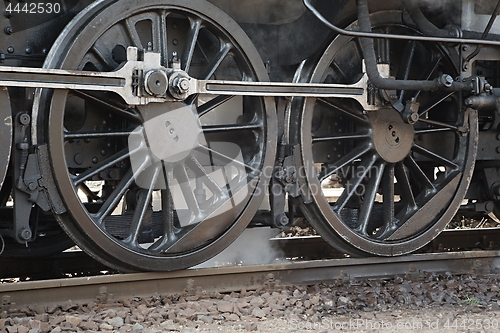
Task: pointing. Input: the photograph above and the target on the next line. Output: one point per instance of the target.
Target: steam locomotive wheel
(373, 183)
(167, 185)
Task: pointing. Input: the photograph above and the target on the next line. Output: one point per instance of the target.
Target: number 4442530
(34, 8)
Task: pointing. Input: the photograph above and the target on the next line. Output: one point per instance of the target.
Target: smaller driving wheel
(377, 181)
(161, 186)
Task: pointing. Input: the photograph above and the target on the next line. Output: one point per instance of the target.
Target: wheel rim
(5, 133)
(159, 206)
(396, 189)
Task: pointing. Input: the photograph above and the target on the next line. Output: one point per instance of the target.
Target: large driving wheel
(372, 182)
(167, 185)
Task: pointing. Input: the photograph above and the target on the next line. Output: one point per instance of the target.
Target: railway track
(228, 279)
(87, 281)
(77, 263)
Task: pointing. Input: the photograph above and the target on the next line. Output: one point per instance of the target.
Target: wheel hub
(171, 134)
(392, 137)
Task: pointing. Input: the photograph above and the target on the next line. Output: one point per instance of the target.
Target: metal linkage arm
(124, 81)
(140, 82)
(278, 89)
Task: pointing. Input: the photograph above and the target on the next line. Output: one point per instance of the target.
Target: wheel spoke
(405, 67)
(433, 156)
(142, 205)
(228, 159)
(432, 130)
(88, 192)
(434, 102)
(167, 206)
(431, 67)
(114, 199)
(96, 135)
(388, 196)
(181, 174)
(330, 104)
(212, 104)
(404, 186)
(369, 198)
(192, 38)
(160, 33)
(217, 60)
(345, 160)
(231, 128)
(107, 163)
(427, 73)
(201, 174)
(102, 59)
(415, 169)
(117, 194)
(352, 136)
(353, 184)
(440, 124)
(339, 70)
(119, 110)
(135, 40)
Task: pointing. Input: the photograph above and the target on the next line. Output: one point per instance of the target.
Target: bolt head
(156, 83)
(413, 118)
(447, 80)
(181, 84)
(25, 234)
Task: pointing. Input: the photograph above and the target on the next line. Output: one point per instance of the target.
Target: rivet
(79, 158)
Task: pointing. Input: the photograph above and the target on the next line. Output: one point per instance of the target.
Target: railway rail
(90, 283)
(78, 263)
(227, 279)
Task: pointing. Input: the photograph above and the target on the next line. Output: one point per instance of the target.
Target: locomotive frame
(150, 133)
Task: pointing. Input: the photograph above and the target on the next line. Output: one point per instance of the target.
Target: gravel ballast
(429, 303)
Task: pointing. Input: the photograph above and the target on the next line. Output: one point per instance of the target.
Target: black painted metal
(209, 44)
(399, 187)
(429, 152)
(5, 133)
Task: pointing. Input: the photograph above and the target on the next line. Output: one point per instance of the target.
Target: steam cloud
(253, 247)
